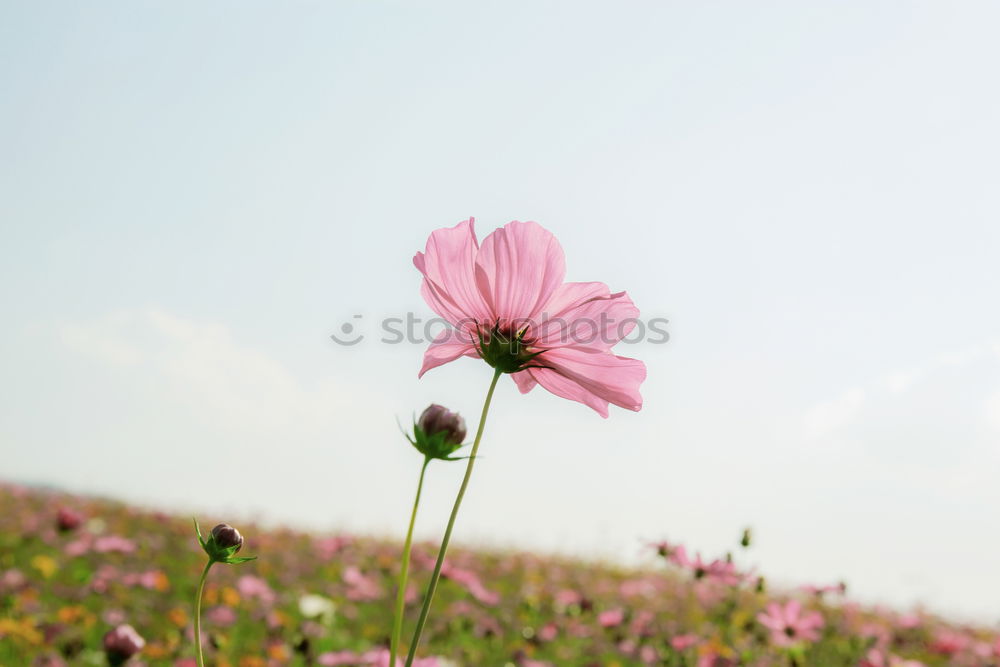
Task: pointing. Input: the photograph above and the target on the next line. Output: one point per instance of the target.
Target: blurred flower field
(75, 571)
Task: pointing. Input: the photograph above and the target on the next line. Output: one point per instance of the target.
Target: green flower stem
(197, 614)
(397, 625)
(432, 586)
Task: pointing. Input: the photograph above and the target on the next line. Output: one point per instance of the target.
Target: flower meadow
(92, 582)
(74, 569)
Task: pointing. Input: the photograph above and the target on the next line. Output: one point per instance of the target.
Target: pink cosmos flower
(376, 658)
(328, 547)
(471, 582)
(359, 586)
(567, 597)
(50, 660)
(648, 655)
(683, 642)
(550, 631)
(611, 618)
(112, 543)
(380, 658)
(222, 616)
(79, 547)
(713, 658)
(949, 642)
(642, 624)
(877, 658)
(250, 586)
(662, 548)
(646, 586)
(982, 649)
(338, 658)
(150, 580)
(508, 304)
(820, 590)
(12, 580)
(788, 625)
(719, 570)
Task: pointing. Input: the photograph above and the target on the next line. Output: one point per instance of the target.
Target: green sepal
(240, 559)
(506, 352)
(435, 445)
(197, 529)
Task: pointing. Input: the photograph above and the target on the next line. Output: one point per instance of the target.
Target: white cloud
(900, 381)
(992, 411)
(865, 401)
(831, 415)
(99, 340)
(204, 365)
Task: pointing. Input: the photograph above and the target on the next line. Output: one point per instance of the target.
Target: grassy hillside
(73, 568)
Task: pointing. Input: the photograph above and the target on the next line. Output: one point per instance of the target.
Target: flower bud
(436, 419)
(226, 536)
(746, 539)
(121, 643)
(438, 433)
(67, 519)
(222, 544)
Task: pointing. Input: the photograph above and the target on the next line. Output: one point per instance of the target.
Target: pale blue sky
(194, 196)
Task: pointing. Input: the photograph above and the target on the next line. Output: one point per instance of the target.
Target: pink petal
(586, 315)
(592, 378)
(524, 381)
(337, 658)
(812, 620)
(570, 295)
(518, 268)
(770, 622)
(792, 608)
(448, 346)
(680, 557)
(448, 266)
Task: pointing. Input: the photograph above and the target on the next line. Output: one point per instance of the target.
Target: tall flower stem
(397, 625)
(197, 614)
(432, 586)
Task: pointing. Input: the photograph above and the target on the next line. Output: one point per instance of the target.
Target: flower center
(505, 347)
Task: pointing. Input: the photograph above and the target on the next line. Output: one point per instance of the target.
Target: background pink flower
(611, 617)
(788, 625)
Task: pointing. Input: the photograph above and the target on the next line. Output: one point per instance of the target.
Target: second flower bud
(438, 433)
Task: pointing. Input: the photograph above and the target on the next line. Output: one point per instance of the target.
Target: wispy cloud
(205, 365)
(946, 405)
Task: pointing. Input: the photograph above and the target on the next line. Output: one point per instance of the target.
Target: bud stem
(432, 586)
(197, 614)
(397, 624)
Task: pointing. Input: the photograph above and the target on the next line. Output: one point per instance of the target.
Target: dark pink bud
(67, 519)
(437, 419)
(122, 643)
(226, 536)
